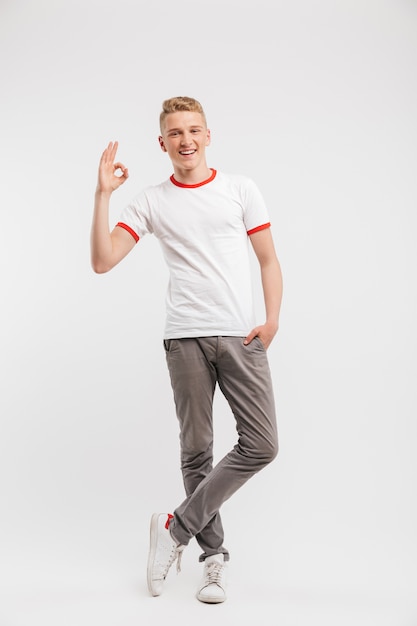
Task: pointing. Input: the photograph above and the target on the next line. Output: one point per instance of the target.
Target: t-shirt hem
(204, 333)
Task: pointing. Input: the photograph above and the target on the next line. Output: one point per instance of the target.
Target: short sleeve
(136, 216)
(255, 213)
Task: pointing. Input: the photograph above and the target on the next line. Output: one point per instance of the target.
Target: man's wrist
(273, 324)
(103, 193)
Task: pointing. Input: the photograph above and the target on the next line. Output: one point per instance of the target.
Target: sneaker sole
(152, 551)
(210, 599)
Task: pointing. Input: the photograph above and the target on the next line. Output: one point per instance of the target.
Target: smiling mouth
(187, 152)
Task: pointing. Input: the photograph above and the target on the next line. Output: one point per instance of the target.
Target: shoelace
(179, 555)
(213, 574)
(176, 554)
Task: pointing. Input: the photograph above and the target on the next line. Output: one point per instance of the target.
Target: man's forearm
(271, 276)
(101, 244)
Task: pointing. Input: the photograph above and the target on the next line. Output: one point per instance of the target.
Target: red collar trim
(204, 182)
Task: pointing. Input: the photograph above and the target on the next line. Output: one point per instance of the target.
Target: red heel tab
(170, 517)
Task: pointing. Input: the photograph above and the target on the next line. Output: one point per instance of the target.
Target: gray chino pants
(195, 366)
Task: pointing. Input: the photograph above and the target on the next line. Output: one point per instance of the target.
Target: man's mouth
(187, 152)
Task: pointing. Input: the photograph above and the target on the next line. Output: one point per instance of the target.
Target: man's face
(185, 137)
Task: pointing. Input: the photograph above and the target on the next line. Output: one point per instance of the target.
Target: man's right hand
(108, 179)
(108, 248)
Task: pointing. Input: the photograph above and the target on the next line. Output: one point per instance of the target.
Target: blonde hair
(180, 103)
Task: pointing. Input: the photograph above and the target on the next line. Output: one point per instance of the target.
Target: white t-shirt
(203, 231)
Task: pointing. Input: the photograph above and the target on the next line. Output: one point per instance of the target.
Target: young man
(203, 220)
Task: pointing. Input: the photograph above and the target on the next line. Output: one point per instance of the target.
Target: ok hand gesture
(108, 178)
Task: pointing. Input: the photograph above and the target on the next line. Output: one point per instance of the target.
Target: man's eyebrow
(169, 130)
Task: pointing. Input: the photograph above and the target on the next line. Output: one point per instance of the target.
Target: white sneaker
(163, 552)
(213, 586)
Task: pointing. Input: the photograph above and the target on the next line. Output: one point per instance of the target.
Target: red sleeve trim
(258, 228)
(129, 230)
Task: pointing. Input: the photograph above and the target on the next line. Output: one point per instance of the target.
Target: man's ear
(208, 140)
(161, 143)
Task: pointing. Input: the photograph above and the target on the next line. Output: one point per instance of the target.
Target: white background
(316, 101)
